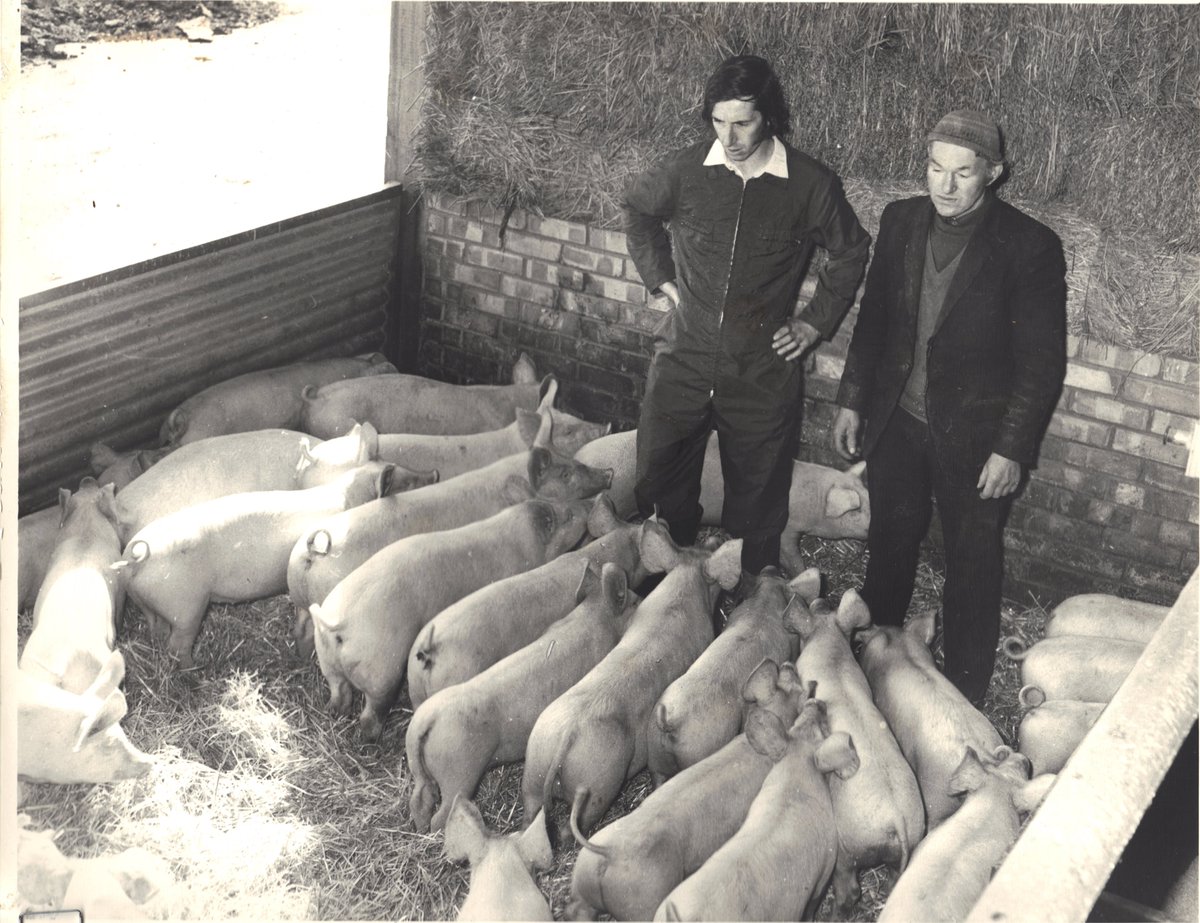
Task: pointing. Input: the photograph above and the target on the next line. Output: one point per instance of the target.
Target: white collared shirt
(776, 164)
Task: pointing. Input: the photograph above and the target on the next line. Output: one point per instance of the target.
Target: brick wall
(1107, 509)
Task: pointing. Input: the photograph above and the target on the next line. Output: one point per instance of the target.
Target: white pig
(1050, 731)
(461, 731)
(36, 536)
(1075, 667)
(502, 867)
(480, 629)
(415, 404)
(593, 737)
(367, 624)
(823, 501)
(234, 549)
(119, 468)
(74, 618)
(1101, 615)
(262, 399)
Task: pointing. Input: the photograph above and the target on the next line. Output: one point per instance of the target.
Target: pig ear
(528, 424)
(517, 489)
(725, 564)
(547, 393)
(368, 442)
(837, 754)
(101, 714)
(1028, 796)
(387, 477)
(603, 517)
(797, 617)
(852, 613)
(533, 845)
(112, 671)
(858, 470)
(545, 433)
(616, 587)
(306, 455)
(524, 372)
(588, 581)
(766, 733)
(840, 501)
(465, 833)
(807, 584)
(969, 775)
(540, 460)
(760, 684)
(922, 626)
(63, 496)
(659, 553)
(100, 457)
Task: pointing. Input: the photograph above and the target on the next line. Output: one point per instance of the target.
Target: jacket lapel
(974, 255)
(914, 262)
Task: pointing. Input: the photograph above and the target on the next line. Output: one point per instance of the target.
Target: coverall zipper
(728, 279)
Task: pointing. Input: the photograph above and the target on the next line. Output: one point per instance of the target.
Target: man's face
(957, 177)
(740, 128)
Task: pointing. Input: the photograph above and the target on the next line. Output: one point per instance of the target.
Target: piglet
(261, 399)
(628, 867)
(234, 549)
(36, 534)
(461, 731)
(502, 867)
(366, 626)
(1075, 666)
(952, 866)
(415, 404)
(823, 501)
(74, 618)
(880, 816)
(119, 468)
(464, 639)
(63, 737)
(1102, 615)
(1050, 731)
(702, 710)
(593, 737)
(933, 722)
(777, 865)
(453, 455)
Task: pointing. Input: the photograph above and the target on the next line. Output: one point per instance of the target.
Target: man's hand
(999, 478)
(793, 338)
(671, 290)
(847, 430)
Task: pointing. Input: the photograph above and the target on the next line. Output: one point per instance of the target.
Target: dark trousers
(903, 476)
(757, 459)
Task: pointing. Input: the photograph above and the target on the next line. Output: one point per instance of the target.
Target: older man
(745, 212)
(956, 361)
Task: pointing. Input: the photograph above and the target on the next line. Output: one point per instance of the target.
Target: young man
(745, 212)
(956, 361)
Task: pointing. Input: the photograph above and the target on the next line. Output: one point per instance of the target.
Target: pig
(630, 865)
(1075, 666)
(36, 536)
(932, 721)
(326, 554)
(414, 404)
(461, 731)
(63, 737)
(239, 463)
(592, 738)
(75, 616)
(502, 867)
(99, 895)
(1100, 615)
(119, 468)
(452, 455)
(777, 865)
(953, 865)
(500, 618)
(823, 501)
(234, 549)
(702, 710)
(366, 626)
(263, 399)
(1050, 731)
(879, 812)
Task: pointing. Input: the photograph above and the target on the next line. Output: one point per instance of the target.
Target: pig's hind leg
(376, 708)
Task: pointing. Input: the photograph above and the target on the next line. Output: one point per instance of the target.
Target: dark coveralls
(737, 252)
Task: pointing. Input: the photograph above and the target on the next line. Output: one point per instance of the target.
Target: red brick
(615, 290)
(590, 306)
(1089, 404)
(1080, 429)
(473, 275)
(558, 229)
(1162, 395)
(1127, 494)
(1180, 371)
(1158, 585)
(494, 259)
(554, 274)
(489, 303)
(1087, 378)
(445, 202)
(611, 241)
(473, 232)
(601, 263)
(542, 295)
(1178, 534)
(1140, 550)
(538, 247)
(1119, 358)
(1170, 477)
(1171, 505)
(1147, 446)
(1172, 427)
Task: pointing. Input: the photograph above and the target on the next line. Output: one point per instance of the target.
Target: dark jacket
(736, 297)
(997, 357)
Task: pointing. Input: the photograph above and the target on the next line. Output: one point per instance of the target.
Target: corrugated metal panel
(107, 358)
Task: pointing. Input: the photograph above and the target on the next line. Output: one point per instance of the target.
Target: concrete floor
(136, 149)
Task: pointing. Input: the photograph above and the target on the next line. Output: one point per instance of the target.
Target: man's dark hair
(749, 77)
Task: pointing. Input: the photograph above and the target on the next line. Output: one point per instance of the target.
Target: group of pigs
(476, 541)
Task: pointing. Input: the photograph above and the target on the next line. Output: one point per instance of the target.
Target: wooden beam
(406, 87)
(1068, 850)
